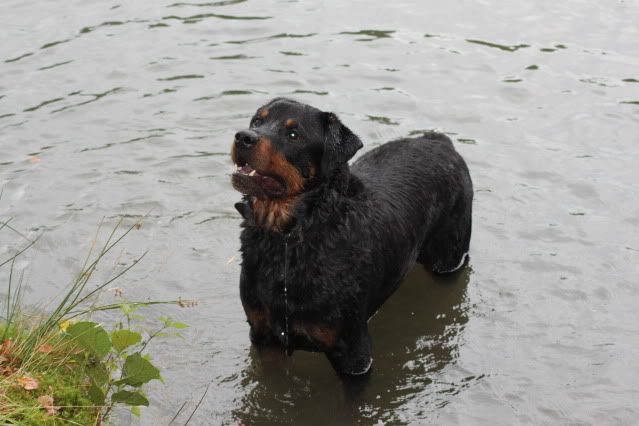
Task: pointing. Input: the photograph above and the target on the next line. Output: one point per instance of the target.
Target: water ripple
(95, 97)
(382, 120)
(199, 154)
(59, 64)
(86, 30)
(197, 18)
(273, 37)
(372, 34)
(55, 43)
(236, 92)
(310, 92)
(16, 59)
(181, 77)
(111, 144)
(232, 57)
(504, 47)
(42, 104)
(208, 4)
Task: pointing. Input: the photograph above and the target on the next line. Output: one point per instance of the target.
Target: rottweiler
(324, 244)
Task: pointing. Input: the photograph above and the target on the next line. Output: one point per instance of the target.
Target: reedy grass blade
(14, 298)
(6, 224)
(114, 306)
(10, 259)
(75, 295)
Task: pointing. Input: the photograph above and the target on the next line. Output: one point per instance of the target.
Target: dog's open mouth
(248, 181)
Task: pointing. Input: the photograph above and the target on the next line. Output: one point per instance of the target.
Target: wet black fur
(356, 232)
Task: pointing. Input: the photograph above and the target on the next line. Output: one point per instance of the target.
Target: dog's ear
(340, 144)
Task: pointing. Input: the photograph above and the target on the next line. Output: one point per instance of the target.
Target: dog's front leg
(352, 354)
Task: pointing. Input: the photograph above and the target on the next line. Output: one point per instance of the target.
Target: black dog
(325, 244)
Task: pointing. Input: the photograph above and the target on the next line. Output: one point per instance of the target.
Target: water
(111, 109)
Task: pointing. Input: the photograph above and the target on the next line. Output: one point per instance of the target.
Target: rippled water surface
(114, 109)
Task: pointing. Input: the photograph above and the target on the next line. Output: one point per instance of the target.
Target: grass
(61, 368)
(57, 375)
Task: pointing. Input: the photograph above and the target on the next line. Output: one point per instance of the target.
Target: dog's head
(288, 145)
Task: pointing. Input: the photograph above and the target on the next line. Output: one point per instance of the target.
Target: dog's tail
(434, 135)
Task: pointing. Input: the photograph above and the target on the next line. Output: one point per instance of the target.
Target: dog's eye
(256, 122)
(293, 135)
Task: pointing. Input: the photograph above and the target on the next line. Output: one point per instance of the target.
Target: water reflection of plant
(63, 366)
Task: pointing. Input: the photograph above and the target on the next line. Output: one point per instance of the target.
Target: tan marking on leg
(323, 335)
(257, 318)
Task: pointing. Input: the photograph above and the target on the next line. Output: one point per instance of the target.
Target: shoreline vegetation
(61, 367)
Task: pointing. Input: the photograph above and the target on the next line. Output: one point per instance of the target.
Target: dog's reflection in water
(416, 335)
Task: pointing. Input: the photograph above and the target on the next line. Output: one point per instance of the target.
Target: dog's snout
(246, 138)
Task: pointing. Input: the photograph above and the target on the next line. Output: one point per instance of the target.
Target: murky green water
(110, 109)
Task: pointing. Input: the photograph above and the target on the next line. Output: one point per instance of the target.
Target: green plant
(65, 368)
(115, 362)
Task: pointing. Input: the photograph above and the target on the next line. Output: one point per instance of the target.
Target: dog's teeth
(252, 173)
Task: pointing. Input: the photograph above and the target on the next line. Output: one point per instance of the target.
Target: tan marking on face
(233, 153)
(312, 170)
(263, 113)
(268, 161)
(290, 123)
(275, 214)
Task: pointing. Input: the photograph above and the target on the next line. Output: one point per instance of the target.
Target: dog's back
(421, 198)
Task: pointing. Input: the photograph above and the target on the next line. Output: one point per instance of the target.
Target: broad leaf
(98, 373)
(168, 322)
(137, 371)
(96, 394)
(92, 337)
(179, 325)
(122, 339)
(130, 398)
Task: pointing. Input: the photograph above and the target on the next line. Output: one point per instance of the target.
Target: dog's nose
(246, 138)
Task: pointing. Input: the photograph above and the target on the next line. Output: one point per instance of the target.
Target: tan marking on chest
(273, 214)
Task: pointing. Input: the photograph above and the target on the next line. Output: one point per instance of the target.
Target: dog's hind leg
(352, 356)
(446, 249)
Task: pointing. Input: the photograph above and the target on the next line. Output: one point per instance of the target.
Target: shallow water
(110, 109)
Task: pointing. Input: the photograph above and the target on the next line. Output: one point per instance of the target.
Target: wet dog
(324, 244)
